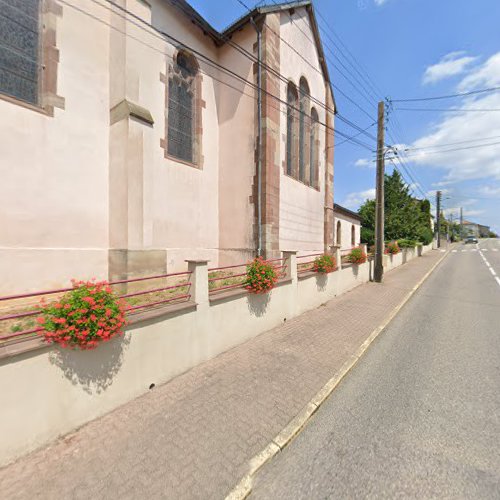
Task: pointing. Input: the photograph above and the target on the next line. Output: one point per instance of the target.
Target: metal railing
(237, 279)
(305, 267)
(137, 296)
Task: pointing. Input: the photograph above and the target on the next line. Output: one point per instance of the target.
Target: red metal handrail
(134, 308)
(20, 334)
(20, 315)
(179, 285)
(226, 287)
(227, 277)
(118, 282)
(225, 267)
(310, 255)
(60, 290)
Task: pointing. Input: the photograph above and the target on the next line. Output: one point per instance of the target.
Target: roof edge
(343, 210)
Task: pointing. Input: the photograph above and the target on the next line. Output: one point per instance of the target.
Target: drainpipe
(259, 137)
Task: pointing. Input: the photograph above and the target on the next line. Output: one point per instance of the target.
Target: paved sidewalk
(193, 437)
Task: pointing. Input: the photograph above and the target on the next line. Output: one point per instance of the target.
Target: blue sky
(414, 48)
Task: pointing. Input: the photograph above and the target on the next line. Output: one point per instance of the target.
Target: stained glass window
(19, 49)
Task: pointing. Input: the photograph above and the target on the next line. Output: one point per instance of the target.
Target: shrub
(261, 276)
(392, 248)
(405, 243)
(84, 317)
(367, 236)
(324, 264)
(425, 235)
(357, 256)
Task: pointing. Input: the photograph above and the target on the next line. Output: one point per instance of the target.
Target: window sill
(183, 162)
(24, 104)
(302, 182)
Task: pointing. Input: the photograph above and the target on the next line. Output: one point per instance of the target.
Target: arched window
(353, 236)
(291, 124)
(339, 233)
(304, 124)
(182, 104)
(314, 147)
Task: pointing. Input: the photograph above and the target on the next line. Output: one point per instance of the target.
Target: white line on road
(492, 271)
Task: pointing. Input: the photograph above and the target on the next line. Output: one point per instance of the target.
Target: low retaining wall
(50, 391)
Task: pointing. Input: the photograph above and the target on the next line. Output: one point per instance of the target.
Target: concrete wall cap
(125, 108)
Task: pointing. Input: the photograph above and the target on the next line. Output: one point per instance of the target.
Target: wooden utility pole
(461, 223)
(438, 217)
(378, 271)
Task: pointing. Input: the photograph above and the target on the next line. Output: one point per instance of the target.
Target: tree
(405, 216)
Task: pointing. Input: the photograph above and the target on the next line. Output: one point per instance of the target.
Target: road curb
(295, 426)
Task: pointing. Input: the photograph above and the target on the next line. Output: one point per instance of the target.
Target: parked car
(470, 239)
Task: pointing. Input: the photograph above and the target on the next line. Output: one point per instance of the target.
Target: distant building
(347, 227)
(475, 229)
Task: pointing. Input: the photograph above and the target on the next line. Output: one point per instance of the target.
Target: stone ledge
(125, 108)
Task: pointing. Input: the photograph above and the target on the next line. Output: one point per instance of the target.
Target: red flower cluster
(261, 276)
(84, 317)
(392, 248)
(324, 264)
(357, 256)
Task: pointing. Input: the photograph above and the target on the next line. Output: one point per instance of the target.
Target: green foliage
(324, 264)
(405, 217)
(367, 236)
(357, 256)
(405, 243)
(424, 235)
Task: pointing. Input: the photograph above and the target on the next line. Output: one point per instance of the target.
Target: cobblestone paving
(192, 437)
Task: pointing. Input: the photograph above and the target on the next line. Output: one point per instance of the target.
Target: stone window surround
(199, 105)
(48, 99)
(295, 146)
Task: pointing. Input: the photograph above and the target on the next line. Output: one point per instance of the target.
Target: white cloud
(378, 3)
(451, 64)
(487, 75)
(462, 161)
(442, 183)
(364, 162)
(354, 200)
(490, 191)
(472, 213)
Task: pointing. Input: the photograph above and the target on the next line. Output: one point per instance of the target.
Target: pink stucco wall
(78, 186)
(301, 206)
(346, 224)
(53, 193)
(236, 109)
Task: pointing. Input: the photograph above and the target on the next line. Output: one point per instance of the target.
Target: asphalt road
(419, 415)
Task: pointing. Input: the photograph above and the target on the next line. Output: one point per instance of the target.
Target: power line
(367, 79)
(454, 143)
(356, 135)
(448, 110)
(282, 77)
(370, 100)
(455, 149)
(162, 35)
(308, 62)
(450, 96)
